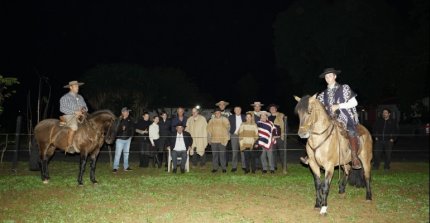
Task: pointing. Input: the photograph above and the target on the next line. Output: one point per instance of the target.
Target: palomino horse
(327, 147)
(88, 139)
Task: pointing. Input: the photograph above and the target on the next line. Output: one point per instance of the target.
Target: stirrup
(304, 160)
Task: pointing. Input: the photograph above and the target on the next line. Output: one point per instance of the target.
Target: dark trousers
(380, 147)
(250, 159)
(145, 153)
(196, 158)
(279, 153)
(175, 155)
(162, 151)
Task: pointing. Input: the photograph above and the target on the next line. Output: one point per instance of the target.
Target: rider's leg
(353, 141)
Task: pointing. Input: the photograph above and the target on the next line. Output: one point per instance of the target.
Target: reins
(325, 139)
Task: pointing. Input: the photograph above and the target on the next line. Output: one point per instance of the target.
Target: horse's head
(307, 108)
(104, 119)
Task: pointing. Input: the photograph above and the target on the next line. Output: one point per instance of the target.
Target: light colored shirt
(154, 133)
(180, 143)
(238, 123)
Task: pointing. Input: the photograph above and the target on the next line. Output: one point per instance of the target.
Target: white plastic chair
(170, 161)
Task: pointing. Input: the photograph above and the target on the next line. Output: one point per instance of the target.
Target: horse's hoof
(45, 181)
(323, 211)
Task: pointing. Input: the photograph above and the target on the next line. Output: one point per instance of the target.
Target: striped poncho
(266, 131)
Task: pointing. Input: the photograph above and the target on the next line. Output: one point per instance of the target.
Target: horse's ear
(314, 96)
(297, 98)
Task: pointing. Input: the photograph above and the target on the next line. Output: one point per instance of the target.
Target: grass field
(152, 195)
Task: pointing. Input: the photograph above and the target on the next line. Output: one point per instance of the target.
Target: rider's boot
(353, 141)
(70, 147)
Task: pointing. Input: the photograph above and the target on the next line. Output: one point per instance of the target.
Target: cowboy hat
(257, 103)
(329, 70)
(73, 83)
(225, 103)
(265, 112)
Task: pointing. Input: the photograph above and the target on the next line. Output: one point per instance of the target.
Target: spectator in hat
(257, 110)
(73, 106)
(218, 133)
(124, 129)
(222, 106)
(278, 120)
(197, 127)
(180, 142)
(266, 138)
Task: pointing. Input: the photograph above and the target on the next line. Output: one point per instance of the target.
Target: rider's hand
(334, 108)
(78, 113)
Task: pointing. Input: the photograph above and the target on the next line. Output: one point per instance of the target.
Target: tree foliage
(116, 85)
(374, 46)
(5, 91)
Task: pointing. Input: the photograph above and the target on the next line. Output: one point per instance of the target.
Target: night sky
(215, 40)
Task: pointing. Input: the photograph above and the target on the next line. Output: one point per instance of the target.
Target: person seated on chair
(73, 106)
(340, 102)
(180, 143)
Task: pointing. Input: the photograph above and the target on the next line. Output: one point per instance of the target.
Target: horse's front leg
(325, 189)
(82, 164)
(344, 180)
(93, 158)
(44, 170)
(317, 181)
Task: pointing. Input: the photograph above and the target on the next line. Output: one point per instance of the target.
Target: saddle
(360, 129)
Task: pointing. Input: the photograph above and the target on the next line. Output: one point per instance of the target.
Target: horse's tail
(356, 178)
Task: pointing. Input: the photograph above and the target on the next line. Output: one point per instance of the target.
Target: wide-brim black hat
(329, 70)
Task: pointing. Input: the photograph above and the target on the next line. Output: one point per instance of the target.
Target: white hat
(257, 103)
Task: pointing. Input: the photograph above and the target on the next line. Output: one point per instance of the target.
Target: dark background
(280, 47)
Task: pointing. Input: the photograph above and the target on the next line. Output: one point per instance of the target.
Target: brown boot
(70, 147)
(353, 141)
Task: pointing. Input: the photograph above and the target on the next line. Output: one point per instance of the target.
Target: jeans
(122, 146)
(267, 155)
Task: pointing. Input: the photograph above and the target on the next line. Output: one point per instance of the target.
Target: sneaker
(214, 171)
(264, 171)
(272, 171)
(128, 169)
(114, 171)
(224, 171)
(233, 170)
(174, 170)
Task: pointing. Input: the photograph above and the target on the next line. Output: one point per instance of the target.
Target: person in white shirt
(180, 142)
(154, 136)
(235, 122)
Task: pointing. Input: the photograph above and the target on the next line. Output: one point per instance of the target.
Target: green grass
(152, 195)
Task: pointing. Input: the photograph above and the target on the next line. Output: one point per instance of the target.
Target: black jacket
(124, 128)
(385, 130)
(165, 127)
(232, 120)
(187, 139)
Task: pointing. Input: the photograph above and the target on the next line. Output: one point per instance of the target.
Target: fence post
(17, 136)
(285, 144)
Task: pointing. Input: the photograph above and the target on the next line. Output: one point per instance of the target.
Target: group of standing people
(257, 135)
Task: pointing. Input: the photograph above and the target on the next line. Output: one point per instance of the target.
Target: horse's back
(46, 128)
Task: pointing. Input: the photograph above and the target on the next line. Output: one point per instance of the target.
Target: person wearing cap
(340, 101)
(124, 129)
(218, 133)
(222, 106)
(278, 120)
(235, 122)
(180, 142)
(257, 109)
(142, 130)
(73, 106)
(197, 127)
(266, 138)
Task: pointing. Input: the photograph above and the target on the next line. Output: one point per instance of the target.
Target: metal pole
(285, 144)
(17, 134)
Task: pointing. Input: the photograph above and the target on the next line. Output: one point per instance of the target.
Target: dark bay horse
(88, 139)
(327, 147)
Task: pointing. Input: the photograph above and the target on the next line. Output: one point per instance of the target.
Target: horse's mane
(100, 112)
(303, 104)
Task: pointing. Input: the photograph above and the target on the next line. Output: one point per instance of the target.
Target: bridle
(311, 132)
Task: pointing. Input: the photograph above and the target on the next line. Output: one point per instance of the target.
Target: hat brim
(337, 72)
(225, 103)
(79, 84)
(253, 105)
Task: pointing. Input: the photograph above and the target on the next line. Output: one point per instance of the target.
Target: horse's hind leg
(82, 164)
(44, 159)
(367, 169)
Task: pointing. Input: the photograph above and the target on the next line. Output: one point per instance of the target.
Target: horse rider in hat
(339, 102)
(73, 106)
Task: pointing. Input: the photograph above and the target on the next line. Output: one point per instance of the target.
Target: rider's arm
(349, 104)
